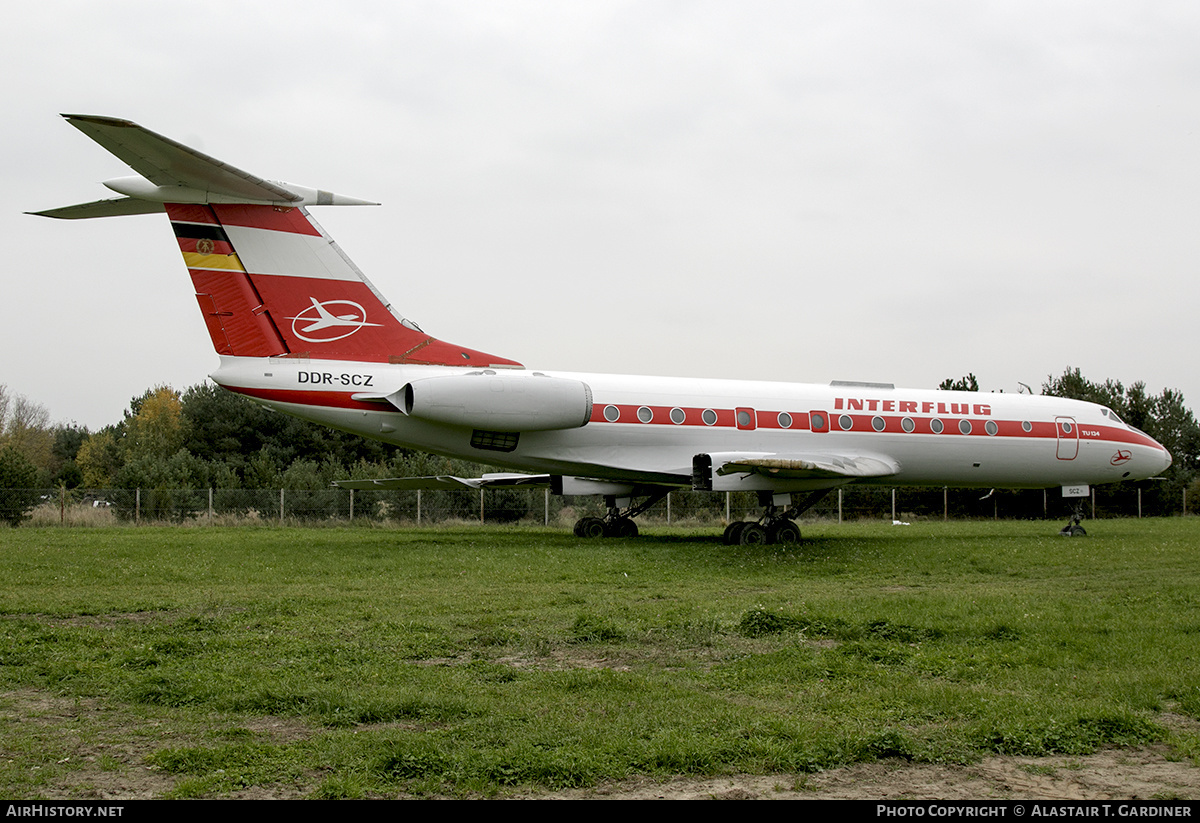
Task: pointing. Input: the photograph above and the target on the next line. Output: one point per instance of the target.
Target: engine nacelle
(496, 401)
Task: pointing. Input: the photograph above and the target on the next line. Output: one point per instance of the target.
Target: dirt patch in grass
(86, 749)
(1142, 774)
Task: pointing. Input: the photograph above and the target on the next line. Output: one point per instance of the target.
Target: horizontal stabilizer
(115, 207)
(449, 482)
(171, 172)
(165, 162)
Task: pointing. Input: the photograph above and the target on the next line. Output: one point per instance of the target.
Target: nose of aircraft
(1166, 461)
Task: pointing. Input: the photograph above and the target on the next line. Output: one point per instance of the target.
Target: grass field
(211, 662)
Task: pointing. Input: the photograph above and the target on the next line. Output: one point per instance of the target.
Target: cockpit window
(1112, 414)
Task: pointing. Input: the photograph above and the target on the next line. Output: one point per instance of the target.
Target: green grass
(210, 662)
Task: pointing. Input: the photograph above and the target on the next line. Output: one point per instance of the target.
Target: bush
(17, 478)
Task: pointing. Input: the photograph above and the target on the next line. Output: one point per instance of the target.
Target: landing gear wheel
(589, 527)
(785, 531)
(621, 527)
(733, 533)
(1077, 531)
(753, 535)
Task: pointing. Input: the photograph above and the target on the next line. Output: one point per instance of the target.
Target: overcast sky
(798, 191)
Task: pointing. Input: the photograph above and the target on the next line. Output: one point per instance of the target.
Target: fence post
(727, 494)
(1139, 504)
(1093, 502)
(210, 505)
(352, 505)
(281, 507)
(668, 508)
(945, 504)
(481, 506)
(893, 504)
(839, 506)
(137, 506)
(546, 519)
(418, 507)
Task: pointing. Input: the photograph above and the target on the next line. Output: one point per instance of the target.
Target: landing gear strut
(776, 525)
(618, 522)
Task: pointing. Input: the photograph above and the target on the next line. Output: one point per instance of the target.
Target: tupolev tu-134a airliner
(300, 329)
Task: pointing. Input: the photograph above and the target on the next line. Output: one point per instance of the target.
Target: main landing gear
(776, 525)
(618, 522)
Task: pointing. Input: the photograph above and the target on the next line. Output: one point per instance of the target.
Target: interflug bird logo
(319, 324)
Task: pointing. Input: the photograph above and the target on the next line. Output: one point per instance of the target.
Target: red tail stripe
(188, 213)
(281, 218)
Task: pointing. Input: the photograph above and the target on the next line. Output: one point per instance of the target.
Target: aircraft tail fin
(269, 280)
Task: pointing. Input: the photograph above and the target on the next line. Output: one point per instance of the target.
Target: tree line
(206, 437)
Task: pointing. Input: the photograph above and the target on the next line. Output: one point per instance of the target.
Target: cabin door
(1068, 437)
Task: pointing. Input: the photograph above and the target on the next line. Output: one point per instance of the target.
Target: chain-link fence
(101, 507)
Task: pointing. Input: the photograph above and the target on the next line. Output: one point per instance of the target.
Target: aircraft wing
(446, 481)
(835, 467)
(804, 466)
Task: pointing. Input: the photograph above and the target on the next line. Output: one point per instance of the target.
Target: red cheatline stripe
(725, 417)
(328, 399)
(862, 423)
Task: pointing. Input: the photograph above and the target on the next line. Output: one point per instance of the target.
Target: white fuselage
(648, 429)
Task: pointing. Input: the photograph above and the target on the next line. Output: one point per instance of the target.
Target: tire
(1078, 531)
(621, 527)
(753, 535)
(590, 528)
(785, 532)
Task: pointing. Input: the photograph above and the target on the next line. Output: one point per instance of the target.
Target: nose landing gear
(1073, 529)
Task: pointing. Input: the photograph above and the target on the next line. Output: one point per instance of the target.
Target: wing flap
(805, 466)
